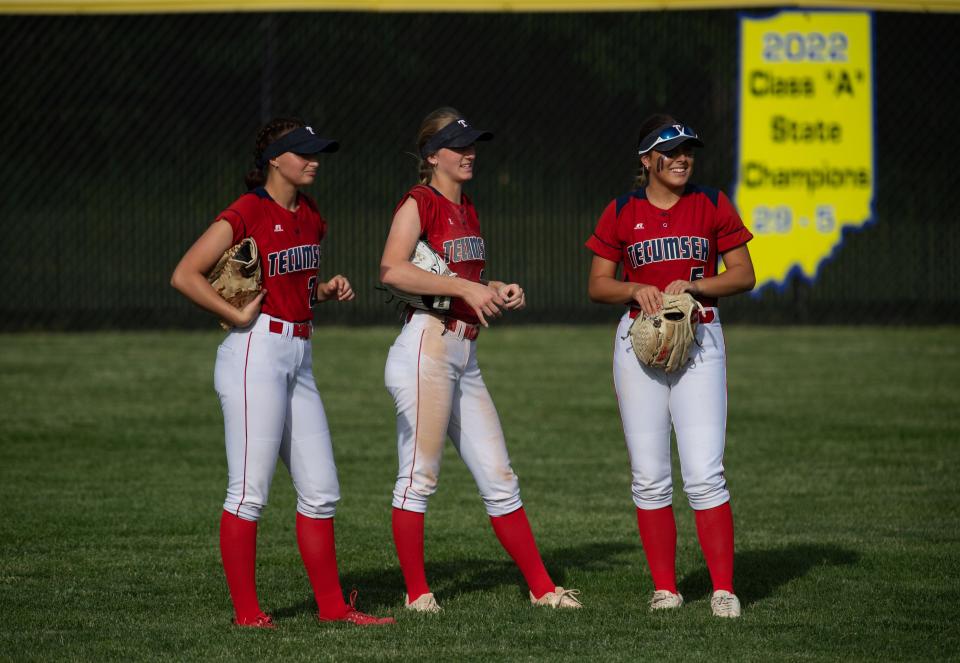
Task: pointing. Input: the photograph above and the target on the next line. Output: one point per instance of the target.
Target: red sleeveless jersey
(289, 246)
(453, 231)
(659, 246)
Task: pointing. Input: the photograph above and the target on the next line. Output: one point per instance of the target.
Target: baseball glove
(237, 277)
(664, 340)
(428, 260)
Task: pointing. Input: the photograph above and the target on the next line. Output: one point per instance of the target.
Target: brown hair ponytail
(270, 132)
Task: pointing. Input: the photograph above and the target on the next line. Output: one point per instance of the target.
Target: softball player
(432, 371)
(669, 234)
(264, 373)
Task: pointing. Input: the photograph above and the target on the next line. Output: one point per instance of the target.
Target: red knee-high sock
(319, 552)
(715, 531)
(238, 549)
(516, 537)
(658, 533)
(408, 539)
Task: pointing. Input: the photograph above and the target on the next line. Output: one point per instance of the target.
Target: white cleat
(725, 604)
(558, 598)
(424, 603)
(664, 599)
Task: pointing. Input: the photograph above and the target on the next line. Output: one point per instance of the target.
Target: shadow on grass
(760, 572)
(382, 589)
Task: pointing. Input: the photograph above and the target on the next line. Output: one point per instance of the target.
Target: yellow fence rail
(208, 6)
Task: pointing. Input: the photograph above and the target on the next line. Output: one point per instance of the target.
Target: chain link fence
(125, 135)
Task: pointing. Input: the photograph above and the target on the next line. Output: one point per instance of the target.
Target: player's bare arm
(189, 276)
(397, 271)
(738, 277)
(337, 288)
(604, 288)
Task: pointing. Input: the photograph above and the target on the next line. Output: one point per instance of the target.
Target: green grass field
(843, 459)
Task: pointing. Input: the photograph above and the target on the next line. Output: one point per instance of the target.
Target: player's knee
(410, 502)
(652, 498)
(319, 504)
(317, 510)
(423, 484)
(652, 493)
(503, 504)
(412, 498)
(245, 510)
(500, 492)
(708, 493)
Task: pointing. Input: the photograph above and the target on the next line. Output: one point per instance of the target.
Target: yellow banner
(185, 6)
(805, 171)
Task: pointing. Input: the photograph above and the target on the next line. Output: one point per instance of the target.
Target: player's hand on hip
(513, 297)
(338, 288)
(483, 300)
(246, 315)
(680, 286)
(649, 298)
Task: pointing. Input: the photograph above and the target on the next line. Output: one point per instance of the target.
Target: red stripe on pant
(246, 360)
(416, 426)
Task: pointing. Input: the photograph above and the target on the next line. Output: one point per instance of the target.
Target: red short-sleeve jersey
(289, 246)
(658, 246)
(453, 231)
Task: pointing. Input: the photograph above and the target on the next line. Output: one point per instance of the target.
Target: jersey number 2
(312, 289)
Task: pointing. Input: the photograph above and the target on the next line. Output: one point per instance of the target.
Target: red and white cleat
(358, 618)
(262, 620)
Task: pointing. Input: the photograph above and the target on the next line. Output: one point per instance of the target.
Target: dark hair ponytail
(270, 132)
(651, 123)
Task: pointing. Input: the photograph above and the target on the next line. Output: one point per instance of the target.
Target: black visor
(456, 134)
(300, 141)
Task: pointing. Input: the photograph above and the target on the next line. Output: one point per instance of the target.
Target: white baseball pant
(433, 376)
(695, 400)
(271, 407)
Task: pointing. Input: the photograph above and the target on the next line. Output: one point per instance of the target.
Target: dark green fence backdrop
(123, 136)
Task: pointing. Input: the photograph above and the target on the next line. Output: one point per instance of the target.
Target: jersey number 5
(696, 273)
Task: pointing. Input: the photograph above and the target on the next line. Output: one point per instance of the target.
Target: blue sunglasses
(666, 134)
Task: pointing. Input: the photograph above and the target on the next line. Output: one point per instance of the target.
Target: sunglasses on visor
(667, 134)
